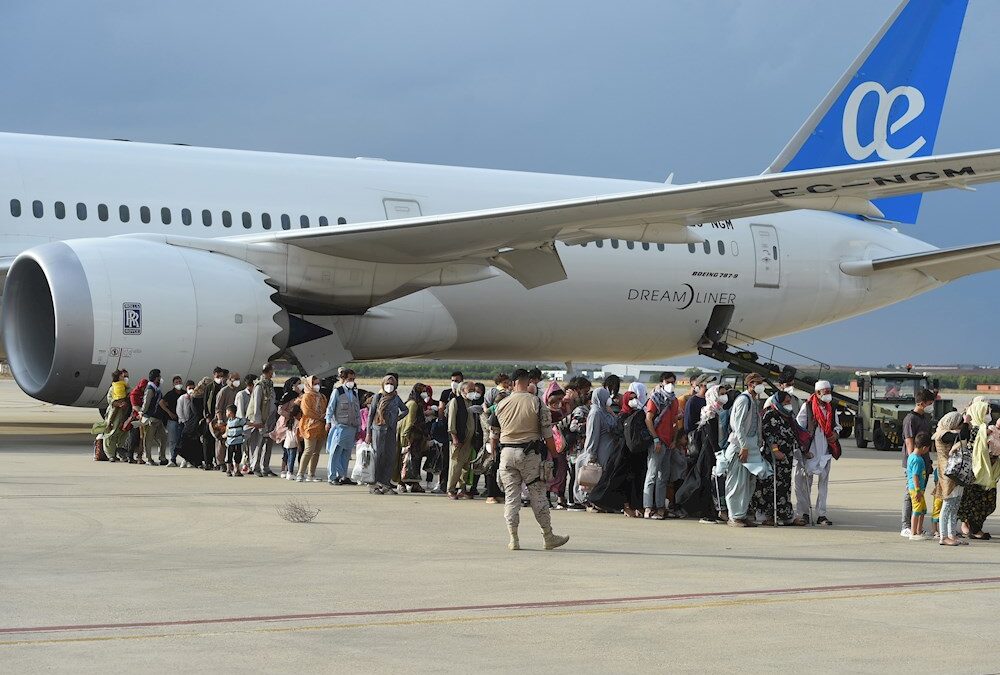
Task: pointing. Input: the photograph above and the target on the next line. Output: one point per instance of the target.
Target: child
(291, 443)
(916, 483)
(234, 441)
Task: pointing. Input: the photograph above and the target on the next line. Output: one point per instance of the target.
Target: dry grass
(295, 511)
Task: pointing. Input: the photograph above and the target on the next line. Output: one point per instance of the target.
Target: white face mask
(125, 379)
(759, 389)
(425, 396)
(178, 387)
(669, 388)
(634, 404)
(611, 403)
(789, 407)
(826, 398)
(236, 384)
(316, 388)
(789, 389)
(724, 399)
(190, 392)
(218, 380)
(389, 388)
(455, 386)
(474, 396)
(349, 384)
(299, 388)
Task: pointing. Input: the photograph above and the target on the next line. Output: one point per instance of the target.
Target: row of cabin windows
(166, 215)
(646, 246)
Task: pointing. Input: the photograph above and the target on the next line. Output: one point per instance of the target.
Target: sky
(633, 90)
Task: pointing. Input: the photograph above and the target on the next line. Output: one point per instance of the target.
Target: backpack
(637, 436)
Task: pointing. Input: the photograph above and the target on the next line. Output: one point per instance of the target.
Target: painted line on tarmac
(482, 618)
(552, 604)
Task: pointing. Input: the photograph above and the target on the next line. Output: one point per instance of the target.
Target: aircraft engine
(74, 311)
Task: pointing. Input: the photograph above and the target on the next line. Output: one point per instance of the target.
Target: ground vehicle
(884, 400)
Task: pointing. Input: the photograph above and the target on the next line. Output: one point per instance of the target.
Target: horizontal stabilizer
(943, 265)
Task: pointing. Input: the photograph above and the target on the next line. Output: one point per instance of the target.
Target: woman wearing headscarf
(383, 415)
(286, 400)
(780, 436)
(638, 462)
(640, 391)
(600, 422)
(979, 500)
(553, 399)
(312, 428)
(117, 413)
(703, 493)
(410, 432)
(946, 489)
(615, 491)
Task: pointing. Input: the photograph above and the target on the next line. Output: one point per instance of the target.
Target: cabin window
(186, 216)
(630, 245)
(645, 246)
(342, 221)
(691, 248)
(247, 220)
(144, 214)
(323, 221)
(722, 248)
(15, 208)
(227, 219)
(36, 208)
(123, 213)
(102, 212)
(733, 248)
(707, 246)
(60, 210)
(286, 222)
(265, 220)
(303, 221)
(614, 243)
(206, 218)
(81, 211)
(661, 248)
(165, 215)
(600, 243)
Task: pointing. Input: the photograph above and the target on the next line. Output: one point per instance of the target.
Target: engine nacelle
(74, 311)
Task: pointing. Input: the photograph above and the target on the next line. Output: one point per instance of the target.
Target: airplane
(326, 260)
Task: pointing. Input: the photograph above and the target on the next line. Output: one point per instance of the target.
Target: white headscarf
(639, 389)
(824, 384)
(712, 406)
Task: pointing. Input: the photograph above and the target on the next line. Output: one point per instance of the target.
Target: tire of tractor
(880, 441)
(859, 435)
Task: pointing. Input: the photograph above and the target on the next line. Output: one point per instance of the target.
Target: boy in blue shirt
(234, 441)
(916, 483)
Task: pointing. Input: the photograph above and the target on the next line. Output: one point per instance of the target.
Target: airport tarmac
(112, 568)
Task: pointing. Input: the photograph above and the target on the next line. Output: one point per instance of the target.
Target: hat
(753, 377)
(824, 384)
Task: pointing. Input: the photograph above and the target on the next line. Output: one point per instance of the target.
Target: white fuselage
(621, 301)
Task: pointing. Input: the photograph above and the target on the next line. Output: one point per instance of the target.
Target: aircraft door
(767, 256)
(401, 208)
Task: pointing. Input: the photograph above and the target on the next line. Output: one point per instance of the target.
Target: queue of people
(713, 453)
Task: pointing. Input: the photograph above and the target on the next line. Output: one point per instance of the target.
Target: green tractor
(884, 401)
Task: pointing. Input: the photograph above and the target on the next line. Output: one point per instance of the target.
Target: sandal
(982, 536)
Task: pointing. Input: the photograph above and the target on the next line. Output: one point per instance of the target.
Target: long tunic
(820, 448)
(599, 442)
(384, 436)
(776, 430)
(114, 437)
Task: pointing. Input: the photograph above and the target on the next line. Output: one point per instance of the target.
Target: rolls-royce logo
(132, 318)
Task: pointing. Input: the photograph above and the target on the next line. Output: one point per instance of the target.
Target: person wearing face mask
(117, 413)
(779, 432)
(819, 418)
(343, 419)
(168, 402)
(661, 419)
(383, 415)
(250, 434)
(312, 429)
(457, 378)
(461, 429)
(553, 399)
(153, 421)
(225, 397)
(600, 423)
(417, 403)
(262, 413)
(209, 393)
(702, 493)
(743, 461)
(291, 391)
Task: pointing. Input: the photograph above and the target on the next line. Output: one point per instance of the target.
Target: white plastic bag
(364, 464)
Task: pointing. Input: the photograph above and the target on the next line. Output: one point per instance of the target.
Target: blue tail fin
(888, 104)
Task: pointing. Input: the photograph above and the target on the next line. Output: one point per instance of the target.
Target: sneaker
(300, 479)
(575, 507)
(289, 476)
(708, 521)
(258, 474)
(150, 462)
(284, 473)
(163, 462)
(905, 532)
(919, 537)
(491, 500)
(313, 479)
(172, 463)
(347, 481)
(438, 491)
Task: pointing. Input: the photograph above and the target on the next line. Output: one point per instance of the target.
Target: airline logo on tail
(888, 104)
(881, 128)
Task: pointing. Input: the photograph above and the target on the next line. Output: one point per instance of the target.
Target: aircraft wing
(943, 265)
(518, 238)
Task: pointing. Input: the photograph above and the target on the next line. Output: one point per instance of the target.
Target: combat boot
(553, 540)
(514, 544)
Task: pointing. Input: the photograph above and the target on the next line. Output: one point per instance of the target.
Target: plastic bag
(364, 464)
